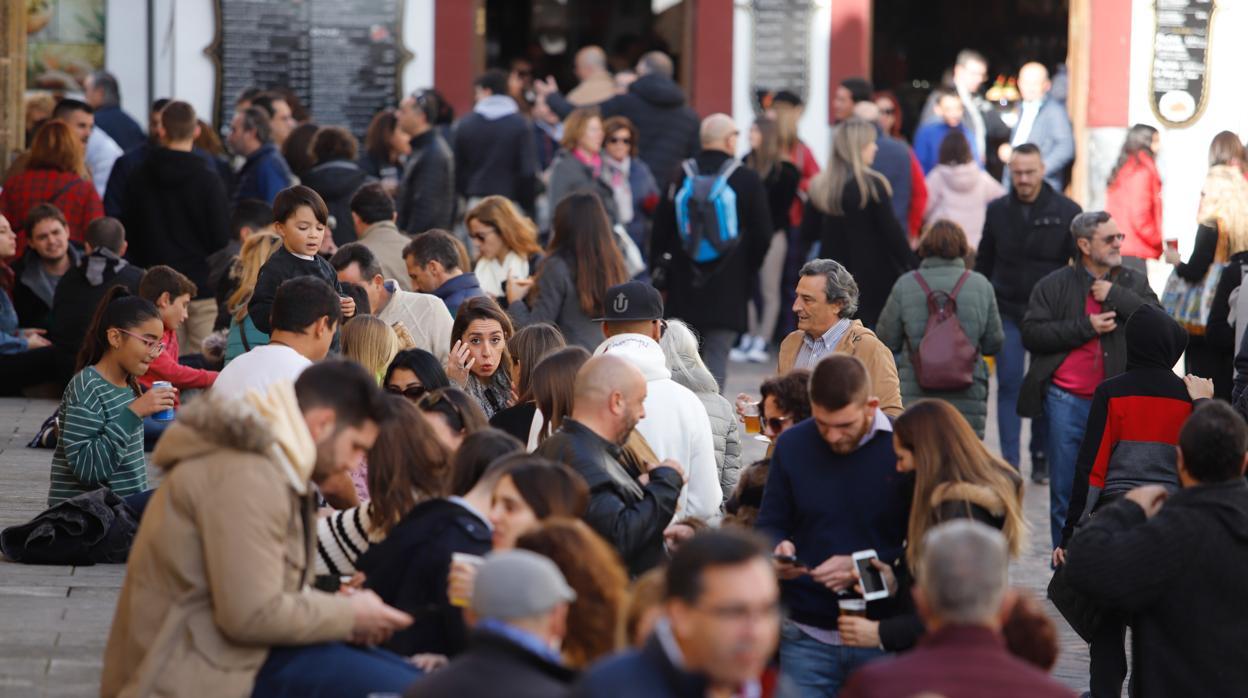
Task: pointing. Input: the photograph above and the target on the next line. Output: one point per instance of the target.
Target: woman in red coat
(1134, 197)
(54, 173)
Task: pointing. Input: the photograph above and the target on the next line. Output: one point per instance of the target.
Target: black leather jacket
(427, 197)
(631, 517)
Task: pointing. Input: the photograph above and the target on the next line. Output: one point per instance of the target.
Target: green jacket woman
(904, 320)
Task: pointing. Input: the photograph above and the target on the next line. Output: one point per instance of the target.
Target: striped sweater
(100, 440)
(341, 538)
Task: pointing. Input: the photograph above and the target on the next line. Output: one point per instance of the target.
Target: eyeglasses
(1112, 238)
(154, 346)
(624, 140)
(414, 392)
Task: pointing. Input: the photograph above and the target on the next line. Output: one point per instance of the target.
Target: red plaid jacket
(75, 196)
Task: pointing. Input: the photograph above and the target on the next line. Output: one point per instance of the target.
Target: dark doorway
(548, 33)
(916, 41)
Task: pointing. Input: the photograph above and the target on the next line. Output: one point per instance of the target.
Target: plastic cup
(753, 424)
(853, 607)
(460, 561)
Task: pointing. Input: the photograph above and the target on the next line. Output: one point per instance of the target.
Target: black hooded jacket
(176, 212)
(667, 128)
(337, 181)
(78, 294)
(1134, 421)
(1181, 575)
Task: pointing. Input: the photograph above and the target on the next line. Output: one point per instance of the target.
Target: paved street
(55, 619)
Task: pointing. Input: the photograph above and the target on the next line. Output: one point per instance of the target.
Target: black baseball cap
(632, 301)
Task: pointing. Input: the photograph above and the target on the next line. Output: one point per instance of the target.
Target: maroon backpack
(945, 359)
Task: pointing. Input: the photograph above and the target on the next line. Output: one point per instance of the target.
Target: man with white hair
(667, 127)
(1044, 122)
(711, 232)
(596, 84)
(963, 597)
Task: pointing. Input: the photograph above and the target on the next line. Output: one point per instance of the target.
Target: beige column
(12, 80)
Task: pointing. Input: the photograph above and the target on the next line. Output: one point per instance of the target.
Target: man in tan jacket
(216, 599)
(827, 297)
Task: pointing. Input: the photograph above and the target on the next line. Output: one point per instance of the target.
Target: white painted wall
(1183, 160)
(184, 28)
(813, 128)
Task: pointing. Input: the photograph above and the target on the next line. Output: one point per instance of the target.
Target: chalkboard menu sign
(780, 56)
(342, 57)
(1179, 85)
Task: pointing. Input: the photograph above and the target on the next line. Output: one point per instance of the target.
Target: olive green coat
(904, 320)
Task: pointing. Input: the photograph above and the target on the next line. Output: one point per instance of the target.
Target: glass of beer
(462, 575)
(753, 424)
(853, 607)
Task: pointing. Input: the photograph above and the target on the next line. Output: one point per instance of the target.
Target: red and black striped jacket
(1134, 420)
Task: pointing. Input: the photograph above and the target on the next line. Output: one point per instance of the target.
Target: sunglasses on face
(621, 139)
(413, 393)
(1112, 238)
(776, 424)
(888, 111)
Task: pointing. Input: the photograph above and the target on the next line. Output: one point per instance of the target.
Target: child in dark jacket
(301, 217)
(1131, 440)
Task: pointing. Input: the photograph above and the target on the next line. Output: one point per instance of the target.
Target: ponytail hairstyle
(118, 309)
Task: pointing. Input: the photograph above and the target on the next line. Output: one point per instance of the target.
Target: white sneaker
(758, 352)
(740, 353)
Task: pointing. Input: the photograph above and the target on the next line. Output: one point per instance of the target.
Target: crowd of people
(443, 415)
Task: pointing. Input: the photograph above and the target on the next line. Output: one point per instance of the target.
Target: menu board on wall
(1179, 80)
(780, 53)
(342, 57)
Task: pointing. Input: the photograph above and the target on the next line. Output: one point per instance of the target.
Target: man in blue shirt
(833, 489)
(264, 173)
(929, 136)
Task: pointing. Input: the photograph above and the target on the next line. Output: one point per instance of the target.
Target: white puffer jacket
(727, 439)
(676, 425)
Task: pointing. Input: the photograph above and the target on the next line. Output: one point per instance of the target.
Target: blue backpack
(706, 213)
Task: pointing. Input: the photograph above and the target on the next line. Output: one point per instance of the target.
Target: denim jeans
(1011, 367)
(1068, 417)
(332, 669)
(818, 669)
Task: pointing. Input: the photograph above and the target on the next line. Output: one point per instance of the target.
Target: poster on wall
(64, 42)
(1179, 78)
(780, 50)
(343, 58)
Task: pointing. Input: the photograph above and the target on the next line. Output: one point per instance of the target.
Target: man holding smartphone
(833, 489)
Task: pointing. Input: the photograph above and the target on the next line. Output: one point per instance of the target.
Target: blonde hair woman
(243, 335)
(1224, 208)
(850, 213)
(504, 240)
(1221, 211)
(369, 341)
